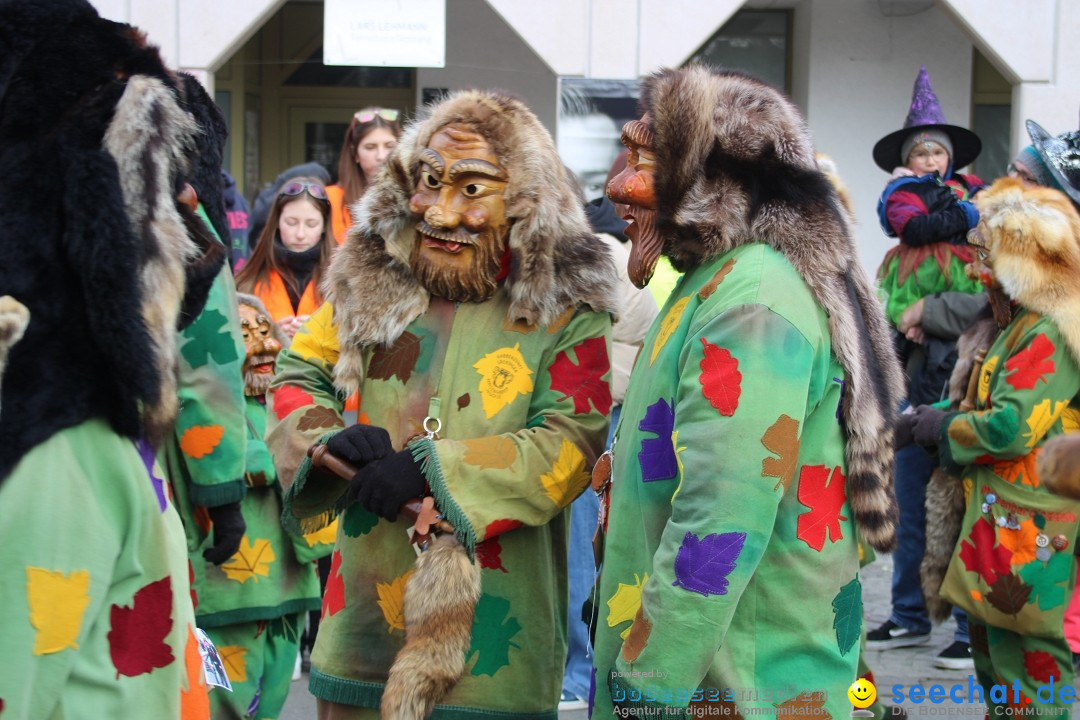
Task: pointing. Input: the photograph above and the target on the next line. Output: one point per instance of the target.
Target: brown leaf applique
(1009, 594)
(463, 401)
(710, 287)
(782, 438)
(399, 360)
(638, 638)
(319, 417)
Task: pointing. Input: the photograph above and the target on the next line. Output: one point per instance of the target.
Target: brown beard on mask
(256, 384)
(475, 282)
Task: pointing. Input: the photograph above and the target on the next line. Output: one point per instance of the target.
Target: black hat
(1061, 154)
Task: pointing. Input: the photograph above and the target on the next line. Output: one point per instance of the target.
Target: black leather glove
(902, 432)
(228, 527)
(360, 444)
(382, 485)
(927, 425)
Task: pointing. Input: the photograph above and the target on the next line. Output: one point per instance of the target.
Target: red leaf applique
(980, 556)
(488, 554)
(721, 381)
(498, 527)
(1031, 365)
(585, 381)
(333, 600)
(824, 492)
(1041, 666)
(287, 398)
(137, 635)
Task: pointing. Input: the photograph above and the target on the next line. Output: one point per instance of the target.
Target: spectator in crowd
(260, 210)
(373, 133)
(239, 218)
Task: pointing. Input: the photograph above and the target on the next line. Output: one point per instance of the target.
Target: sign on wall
(387, 33)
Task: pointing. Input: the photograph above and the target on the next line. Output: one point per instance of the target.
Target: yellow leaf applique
(57, 603)
(198, 441)
(984, 378)
(1070, 420)
(567, 477)
(392, 601)
(1042, 419)
(250, 560)
(668, 327)
(503, 376)
(318, 338)
(326, 536)
(1021, 541)
(624, 604)
(235, 662)
(497, 452)
(678, 460)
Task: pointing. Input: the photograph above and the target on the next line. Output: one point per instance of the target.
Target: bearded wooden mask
(262, 350)
(635, 188)
(462, 233)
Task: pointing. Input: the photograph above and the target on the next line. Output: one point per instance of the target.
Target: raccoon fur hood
(734, 165)
(556, 261)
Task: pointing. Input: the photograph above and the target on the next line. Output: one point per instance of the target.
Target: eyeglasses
(1021, 172)
(296, 187)
(368, 114)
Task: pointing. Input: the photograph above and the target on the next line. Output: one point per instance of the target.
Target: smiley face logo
(862, 693)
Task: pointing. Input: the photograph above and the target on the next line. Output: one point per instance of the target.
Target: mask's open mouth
(451, 242)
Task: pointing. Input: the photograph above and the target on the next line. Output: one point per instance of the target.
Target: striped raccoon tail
(440, 600)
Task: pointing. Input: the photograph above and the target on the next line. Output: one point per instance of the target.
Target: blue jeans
(913, 469)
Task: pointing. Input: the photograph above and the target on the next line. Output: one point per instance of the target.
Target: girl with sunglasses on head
(291, 255)
(373, 132)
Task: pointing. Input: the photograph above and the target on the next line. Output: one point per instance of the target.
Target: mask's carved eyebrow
(476, 166)
(433, 159)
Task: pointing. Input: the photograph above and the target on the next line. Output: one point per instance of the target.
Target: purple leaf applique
(146, 452)
(657, 456)
(702, 566)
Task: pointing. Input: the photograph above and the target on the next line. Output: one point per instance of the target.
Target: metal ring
(438, 425)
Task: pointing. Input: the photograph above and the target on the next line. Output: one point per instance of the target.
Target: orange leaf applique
(710, 287)
(721, 381)
(1020, 541)
(497, 452)
(198, 441)
(392, 601)
(1019, 470)
(235, 662)
(782, 439)
(638, 638)
(250, 560)
(195, 700)
(824, 492)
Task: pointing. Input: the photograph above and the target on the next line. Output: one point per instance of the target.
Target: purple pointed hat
(925, 113)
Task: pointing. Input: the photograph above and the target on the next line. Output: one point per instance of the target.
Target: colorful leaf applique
(1002, 426)
(194, 699)
(489, 554)
(198, 441)
(1045, 580)
(657, 455)
(250, 560)
(503, 376)
(721, 381)
(392, 601)
(1008, 594)
(495, 452)
(702, 565)
(317, 417)
(137, 635)
(359, 521)
(208, 337)
(988, 367)
(146, 452)
(710, 287)
(493, 631)
(57, 604)
(333, 600)
(781, 439)
(585, 381)
(567, 477)
(285, 399)
(1020, 470)
(668, 326)
(1041, 666)
(463, 401)
(1030, 365)
(847, 615)
(624, 604)
(233, 657)
(1021, 542)
(979, 554)
(500, 527)
(638, 638)
(1042, 419)
(824, 492)
(397, 361)
(317, 340)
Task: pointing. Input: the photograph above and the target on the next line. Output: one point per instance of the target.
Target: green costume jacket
(729, 547)
(97, 617)
(523, 413)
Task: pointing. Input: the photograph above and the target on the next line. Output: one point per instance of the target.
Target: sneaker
(569, 701)
(955, 657)
(890, 635)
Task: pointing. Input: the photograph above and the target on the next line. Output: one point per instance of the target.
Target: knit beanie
(921, 136)
(1030, 159)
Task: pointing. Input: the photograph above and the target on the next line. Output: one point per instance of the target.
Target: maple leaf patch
(285, 399)
(392, 601)
(489, 554)
(137, 633)
(781, 439)
(980, 556)
(702, 565)
(824, 492)
(334, 595)
(1041, 666)
(250, 560)
(1030, 365)
(585, 381)
(567, 477)
(492, 635)
(721, 381)
(209, 339)
(623, 605)
(1045, 580)
(504, 375)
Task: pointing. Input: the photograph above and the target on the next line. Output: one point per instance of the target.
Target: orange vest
(340, 217)
(276, 298)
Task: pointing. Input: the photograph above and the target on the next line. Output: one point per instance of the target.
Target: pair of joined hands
(386, 478)
(923, 426)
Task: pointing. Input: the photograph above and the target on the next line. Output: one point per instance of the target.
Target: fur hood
(735, 165)
(556, 261)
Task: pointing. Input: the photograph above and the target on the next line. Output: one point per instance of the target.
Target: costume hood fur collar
(735, 165)
(556, 261)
